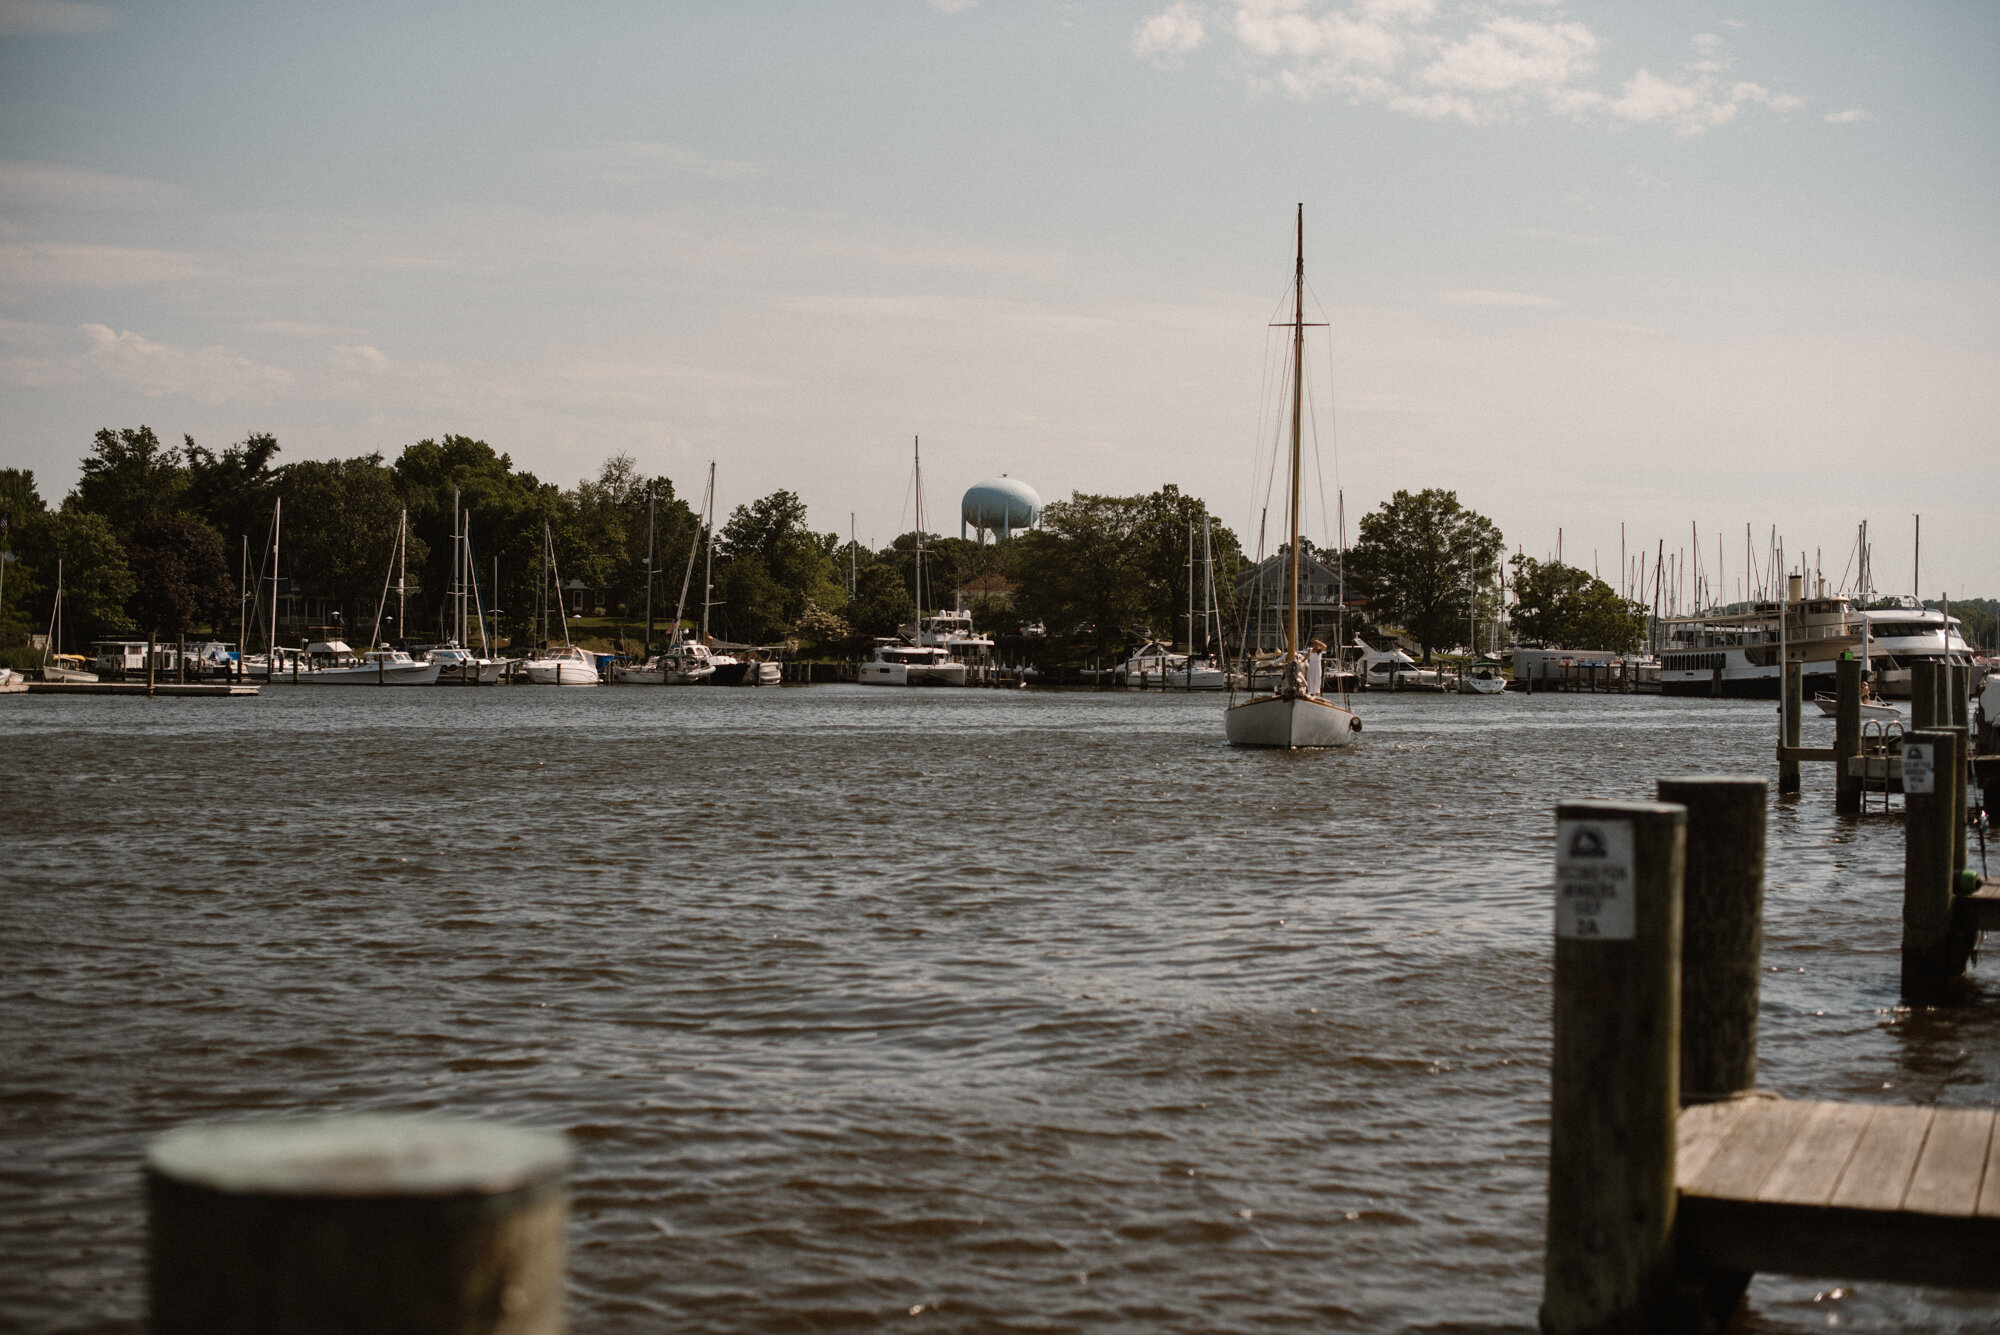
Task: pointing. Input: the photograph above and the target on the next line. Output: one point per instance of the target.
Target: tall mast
(708, 567)
(652, 497)
(694, 549)
(271, 649)
(402, 571)
(1298, 402)
(242, 601)
(917, 454)
(1190, 611)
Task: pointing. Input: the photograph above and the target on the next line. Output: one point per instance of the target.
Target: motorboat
(333, 663)
(1829, 705)
(1394, 670)
(567, 666)
(761, 672)
(1295, 714)
(462, 667)
(897, 664)
(1739, 649)
(1482, 679)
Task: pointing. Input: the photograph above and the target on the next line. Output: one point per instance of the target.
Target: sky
(1685, 268)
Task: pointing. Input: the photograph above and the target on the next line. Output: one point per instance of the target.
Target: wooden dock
(1893, 1193)
(203, 688)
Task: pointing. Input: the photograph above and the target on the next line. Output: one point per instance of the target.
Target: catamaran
(1294, 715)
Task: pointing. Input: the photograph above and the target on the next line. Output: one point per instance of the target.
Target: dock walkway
(1893, 1193)
(138, 688)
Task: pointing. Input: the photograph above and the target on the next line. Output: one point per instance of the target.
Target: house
(1261, 595)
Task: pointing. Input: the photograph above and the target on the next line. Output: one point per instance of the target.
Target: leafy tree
(20, 508)
(96, 579)
(1415, 557)
(1169, 537)
(182, 580)
(232, 492)
(129, 477)
(881, 601)
(610, 516)
(340, 532)
(773, 566)
(1560, 606)
(1081, 572)
(508, 510)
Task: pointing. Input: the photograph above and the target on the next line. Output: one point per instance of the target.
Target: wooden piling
(1615, 1072)
(1792, 687)
(396, 1225)
(1722, 932)
(152, 649)
(1928, 827)
(1925, 689)
(1847, 737)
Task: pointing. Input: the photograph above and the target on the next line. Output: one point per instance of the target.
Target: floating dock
(138, 688)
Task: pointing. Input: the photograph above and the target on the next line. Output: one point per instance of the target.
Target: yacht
(1734, 650)
(567, 666)
(896, 664)
(334, 663)
(1157, 665)
(1482, 678)
(1394, 670)
(463, 667)
(1901, 631)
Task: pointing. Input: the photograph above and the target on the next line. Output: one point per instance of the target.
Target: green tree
(232, 492)
(1081, 573)
(610, 516)
(129, 477)
(97, 581)
(20, 508)
(881, 601)
(508, 510)
(1168, 538)
(1416, 556)
(182, 580)
(1559, 606)
(773, 567)
(340, 532)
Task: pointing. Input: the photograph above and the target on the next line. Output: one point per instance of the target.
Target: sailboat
(1294, 715)
(569, 665)
(57, 665)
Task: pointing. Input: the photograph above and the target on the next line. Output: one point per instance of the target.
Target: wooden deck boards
(1901, 1194)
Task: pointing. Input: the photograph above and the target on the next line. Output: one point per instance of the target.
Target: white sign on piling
(1919, 773)
(1594, 893)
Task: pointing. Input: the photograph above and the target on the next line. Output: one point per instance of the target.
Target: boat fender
(1353, 723)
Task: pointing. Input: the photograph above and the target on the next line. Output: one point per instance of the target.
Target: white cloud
(1165, 39)
(69, 264)
(46, 183)
(166, 370)
(52, 18)
(1473, 63)
(624, 161)
(1483, 297)
(360, 357)
(953, 6)
(1849, 116)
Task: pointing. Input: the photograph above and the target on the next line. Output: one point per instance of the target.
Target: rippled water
(960, 1010)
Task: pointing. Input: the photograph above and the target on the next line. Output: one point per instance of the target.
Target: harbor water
(951, 1010)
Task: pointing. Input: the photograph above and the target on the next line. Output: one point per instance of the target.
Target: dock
(1891, 1193)
(204, 688)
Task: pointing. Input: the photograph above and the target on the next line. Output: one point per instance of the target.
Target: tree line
(155, 538)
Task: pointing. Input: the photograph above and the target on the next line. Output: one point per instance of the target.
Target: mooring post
(1959, 679)
(1722, 932)
(1615, 1070)
(1793, 685)
(376, 1223)
(1847, 737)
(1961, 750)
(1715, 683)
(152, 649)
(1928, 827)
(1924, 692)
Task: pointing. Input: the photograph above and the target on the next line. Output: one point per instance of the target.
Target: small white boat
(761, 672)
(1483, 679)
(910, 665)
(332, 663)
(67, 667)
(567, 666)
(463, 667)
(1829, 705)
(1394, 670)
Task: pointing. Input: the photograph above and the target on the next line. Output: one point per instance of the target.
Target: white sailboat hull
(401, 674)
(1290, 723)
(561, 672)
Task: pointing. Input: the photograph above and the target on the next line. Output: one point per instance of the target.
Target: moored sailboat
(1294, 715)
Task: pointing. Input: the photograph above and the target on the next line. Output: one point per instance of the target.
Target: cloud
(626, 161)
(166, 370)
(953, 6)
(52, 18)
(1474, 63)
(1849, 116)
(1165, 39)
(26, 182)
(1482, 297)
(69, 264)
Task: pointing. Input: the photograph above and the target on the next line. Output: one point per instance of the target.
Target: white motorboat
(463, 667)
(910, 665)
(332, 663)
(1481, 679)
(1394, 670)
(1829, 705)
(1295, 715)
(567, 666)
(761, 672)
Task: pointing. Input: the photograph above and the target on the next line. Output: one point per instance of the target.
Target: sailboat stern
(1290, 723)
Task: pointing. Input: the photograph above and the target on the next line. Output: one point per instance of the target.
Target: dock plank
(1948, 1173)
(1750, 1150)
(1813, 1163)
(1700, 1131)
(1989, 1192)
(1878, 1175)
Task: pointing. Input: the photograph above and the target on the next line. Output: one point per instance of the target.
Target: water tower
(1001, 506)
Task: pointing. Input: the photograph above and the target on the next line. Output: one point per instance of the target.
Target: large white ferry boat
(1735, 650)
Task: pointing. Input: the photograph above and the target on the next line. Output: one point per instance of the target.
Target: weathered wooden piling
(1926, 692)
(1722, 932)
(1615, 1070)
(389, 1225)
(1847, 737)
(1793, 687)
(1929, 826)
(152, 677)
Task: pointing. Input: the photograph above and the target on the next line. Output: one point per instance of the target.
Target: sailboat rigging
(1294, 715)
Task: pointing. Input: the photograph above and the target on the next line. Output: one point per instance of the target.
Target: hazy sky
(1583, 263)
